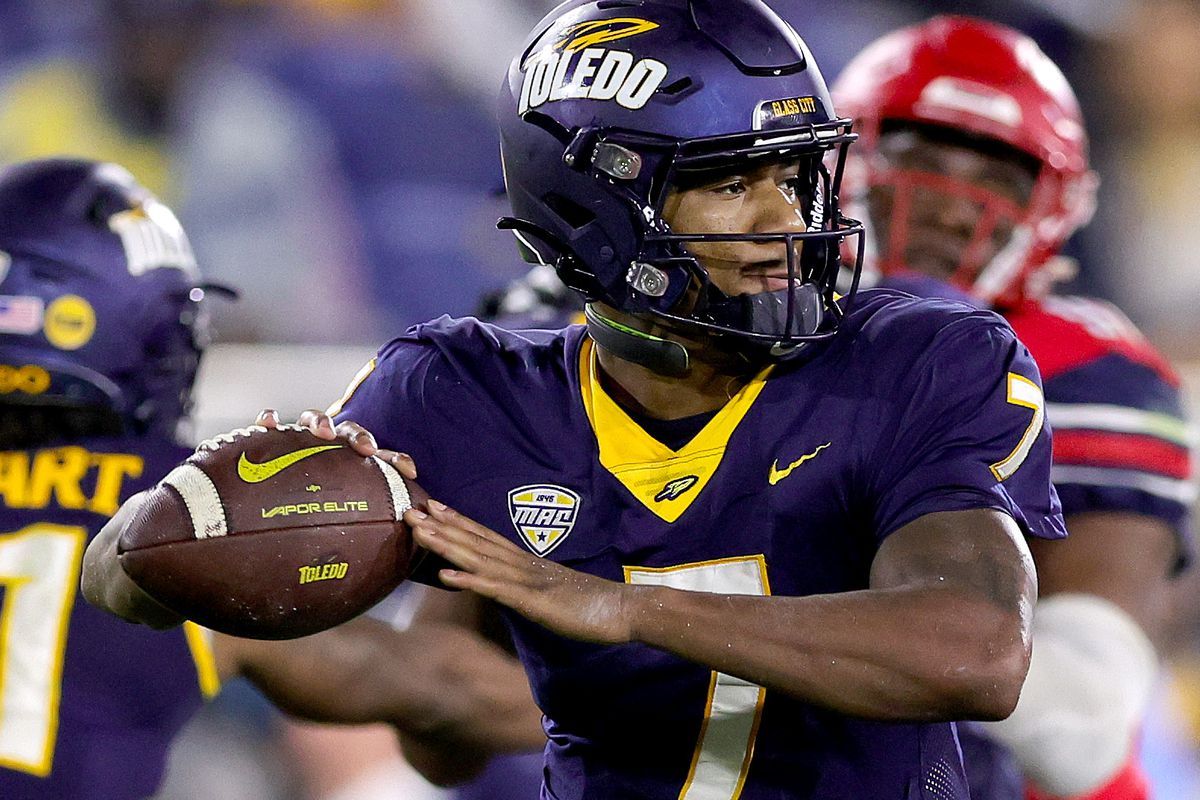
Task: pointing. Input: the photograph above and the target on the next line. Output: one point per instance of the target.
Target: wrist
(640, 609)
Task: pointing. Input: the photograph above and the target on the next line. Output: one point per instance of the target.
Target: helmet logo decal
(598, 31)
(70, 322)
(153, 239)
(543, 515)
(20, 314)
(573, 68)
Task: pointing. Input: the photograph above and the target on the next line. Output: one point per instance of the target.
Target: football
(272, 534)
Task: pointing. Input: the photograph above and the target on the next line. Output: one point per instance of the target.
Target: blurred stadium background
(336, 161)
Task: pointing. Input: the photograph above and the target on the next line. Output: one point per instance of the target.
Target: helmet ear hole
(575, 215)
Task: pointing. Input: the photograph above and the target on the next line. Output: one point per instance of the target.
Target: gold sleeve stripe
(361, 376)
(1026, 394)
(200, 643)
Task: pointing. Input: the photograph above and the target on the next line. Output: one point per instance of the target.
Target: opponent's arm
(1122, 557)
(1104, 601)
(942, 633)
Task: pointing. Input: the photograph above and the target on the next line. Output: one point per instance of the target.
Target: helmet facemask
(666, 279)
(972, 232)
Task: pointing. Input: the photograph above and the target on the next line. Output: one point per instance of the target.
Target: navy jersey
(915, 407)
(88, 703)
(1124, 439)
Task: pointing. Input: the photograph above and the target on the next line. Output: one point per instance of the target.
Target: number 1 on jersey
(39, 571)
(731, 716)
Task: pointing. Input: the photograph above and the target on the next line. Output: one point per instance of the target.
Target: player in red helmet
(972, 168)
(966, 81)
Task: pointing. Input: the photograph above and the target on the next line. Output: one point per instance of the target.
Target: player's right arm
(105, 584)
(443, 689)
(432, 755)
(440, 686)
(440, 756)
(437, 685)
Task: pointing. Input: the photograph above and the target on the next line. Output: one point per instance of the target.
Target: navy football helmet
(99, 301)
(611, 101)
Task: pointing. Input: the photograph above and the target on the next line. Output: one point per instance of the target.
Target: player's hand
(564, 600)
(106, 586)
(353, 434)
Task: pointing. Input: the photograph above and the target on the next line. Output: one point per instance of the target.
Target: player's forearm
(922, 653)
(105, 585)
(442, 763)
(430, 683)
(340, 675)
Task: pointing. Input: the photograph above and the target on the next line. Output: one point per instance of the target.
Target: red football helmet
(985, 80)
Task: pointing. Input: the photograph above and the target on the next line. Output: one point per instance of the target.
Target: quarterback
(973, 169)
(752, 538)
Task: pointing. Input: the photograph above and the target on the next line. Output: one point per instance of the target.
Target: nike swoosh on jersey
(250, 472)
(777, 474)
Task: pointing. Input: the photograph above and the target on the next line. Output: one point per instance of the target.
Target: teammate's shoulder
(1066, 333)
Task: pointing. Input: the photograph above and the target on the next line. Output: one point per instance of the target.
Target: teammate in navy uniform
(973, 164)
(752, 539)
(101, 331)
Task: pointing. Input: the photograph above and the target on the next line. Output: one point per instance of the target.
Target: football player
(972, 165)
(101, 332)
(752, 539)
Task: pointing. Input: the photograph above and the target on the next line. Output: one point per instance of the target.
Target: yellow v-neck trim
(666, 481)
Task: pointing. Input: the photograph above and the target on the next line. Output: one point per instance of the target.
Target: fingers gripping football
(356, 436)
(564, 600)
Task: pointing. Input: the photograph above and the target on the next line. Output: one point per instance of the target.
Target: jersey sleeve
(1123, 443)
(968, 432)
(386, 397)
(411, 401)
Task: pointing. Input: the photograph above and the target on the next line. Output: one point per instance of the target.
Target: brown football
(272, 534)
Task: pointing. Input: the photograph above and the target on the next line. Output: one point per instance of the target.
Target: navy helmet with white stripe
(99, 296)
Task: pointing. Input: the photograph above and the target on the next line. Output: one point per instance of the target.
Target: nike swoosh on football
(250, 472)
(777, 474)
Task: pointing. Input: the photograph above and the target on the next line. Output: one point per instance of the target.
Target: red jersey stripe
(1127, 451)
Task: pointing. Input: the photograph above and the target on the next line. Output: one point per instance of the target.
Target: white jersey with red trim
(1122, 439)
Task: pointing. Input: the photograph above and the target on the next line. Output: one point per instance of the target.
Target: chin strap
(652, 352)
